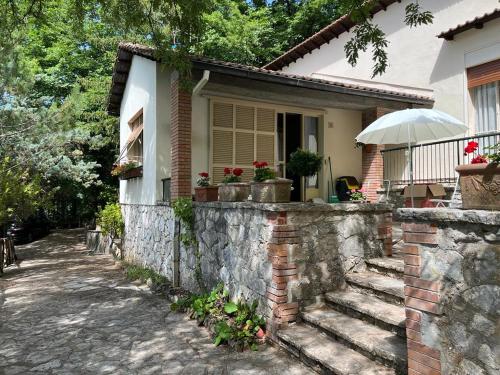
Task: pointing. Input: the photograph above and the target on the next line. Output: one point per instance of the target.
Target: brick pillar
(385, 233)
(421, 297)
(180, 135)
(284, 240)
(372, 162)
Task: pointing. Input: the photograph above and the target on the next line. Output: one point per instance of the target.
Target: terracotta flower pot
(271, 191)
(234, 192)
(480, 186)
(206, 193)
(260, 334)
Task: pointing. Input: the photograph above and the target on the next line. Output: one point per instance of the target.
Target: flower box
(206, 193)
(271, 191)
(480, 186)
(234, 192)
(131, 173)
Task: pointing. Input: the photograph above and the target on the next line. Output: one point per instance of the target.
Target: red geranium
(479, 160)
(203, 174)
(237, 172)
(227, 170)
(471, 147)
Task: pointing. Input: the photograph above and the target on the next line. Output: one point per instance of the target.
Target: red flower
(227, 171)
(480, 159)
(471, 147)
(473, 144)
(255, 163)
(237, 172)
(203, 174)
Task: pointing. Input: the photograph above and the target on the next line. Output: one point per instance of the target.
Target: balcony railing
(433, 162)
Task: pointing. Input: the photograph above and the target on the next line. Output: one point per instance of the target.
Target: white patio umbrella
(411, 126)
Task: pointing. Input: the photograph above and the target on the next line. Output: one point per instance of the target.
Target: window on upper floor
(484, 85)
(135, 139)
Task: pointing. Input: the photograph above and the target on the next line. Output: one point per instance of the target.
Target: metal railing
(433, 162)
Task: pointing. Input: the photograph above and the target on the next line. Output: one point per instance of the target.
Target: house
(309, 97)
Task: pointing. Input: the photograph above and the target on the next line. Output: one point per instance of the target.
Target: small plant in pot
(127, 170)
(232, 189)
(304, 163)
(357, 195)
(205, 192)
(480, 180)
(266, 188)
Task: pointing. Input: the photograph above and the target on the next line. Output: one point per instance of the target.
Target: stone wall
(452, 290)
(149, 237)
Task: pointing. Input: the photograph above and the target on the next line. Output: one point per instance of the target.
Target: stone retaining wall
(452, 289)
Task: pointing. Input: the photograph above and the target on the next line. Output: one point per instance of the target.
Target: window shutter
(265, 148)
(223, 147)
(223, 115)
(265, 119)
(483, 74)
(244, 148)
(244, 117)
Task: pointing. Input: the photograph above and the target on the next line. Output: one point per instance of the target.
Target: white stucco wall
(140, 92)
(340, 127)
(163, 122)
(200, 136)
(416, 56)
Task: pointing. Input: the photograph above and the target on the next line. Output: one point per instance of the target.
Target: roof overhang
(476, 23)
(244, 75)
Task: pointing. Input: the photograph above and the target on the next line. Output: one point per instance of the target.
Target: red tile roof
(477, 23)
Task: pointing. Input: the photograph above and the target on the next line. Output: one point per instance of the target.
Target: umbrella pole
(410, 165)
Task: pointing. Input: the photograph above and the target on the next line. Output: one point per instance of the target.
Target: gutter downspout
(202, 82)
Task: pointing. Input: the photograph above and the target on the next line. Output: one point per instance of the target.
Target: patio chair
(454, 202)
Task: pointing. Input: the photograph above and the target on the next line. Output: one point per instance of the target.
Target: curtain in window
(485, 99)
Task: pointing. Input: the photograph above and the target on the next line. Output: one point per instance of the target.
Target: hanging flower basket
(131, 173)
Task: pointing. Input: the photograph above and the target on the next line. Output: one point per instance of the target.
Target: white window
(135, 139)
(486, 101)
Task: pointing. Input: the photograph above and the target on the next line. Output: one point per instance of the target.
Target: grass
(135, 272)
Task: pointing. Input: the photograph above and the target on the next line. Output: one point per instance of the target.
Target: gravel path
(63, 311)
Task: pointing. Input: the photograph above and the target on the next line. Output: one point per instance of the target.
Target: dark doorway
(293, 141)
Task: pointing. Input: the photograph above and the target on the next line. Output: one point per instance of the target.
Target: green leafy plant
(234, 323)
(262, 172)
(232, 175)
(135, 272)
(111, 220)
(203, 180)
(304, 163)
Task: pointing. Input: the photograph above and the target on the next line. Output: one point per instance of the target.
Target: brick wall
(180, 140)
(283, 244)
(372, 162)
(421, 296)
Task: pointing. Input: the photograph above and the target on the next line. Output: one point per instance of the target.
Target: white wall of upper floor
(417, 58)
(147, 88)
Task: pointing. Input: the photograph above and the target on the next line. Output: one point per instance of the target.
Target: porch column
(180, 134)
(372, 162)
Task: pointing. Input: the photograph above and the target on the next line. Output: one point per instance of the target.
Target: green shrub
(111, 221)
(135, 272)
(234, 323)
(304, 163)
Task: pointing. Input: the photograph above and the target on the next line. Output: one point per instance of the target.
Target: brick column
(385, 233)
(180, 136)
(372, 162)
(421, 297)
(283, 244)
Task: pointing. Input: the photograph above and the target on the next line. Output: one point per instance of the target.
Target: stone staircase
(360, 330)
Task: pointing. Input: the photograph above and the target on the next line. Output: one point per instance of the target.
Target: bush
(135, 272)
(111, 221)
(233, 323)
(304, 163)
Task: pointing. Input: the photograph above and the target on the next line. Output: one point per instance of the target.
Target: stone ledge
(299, 206)
(448, 215)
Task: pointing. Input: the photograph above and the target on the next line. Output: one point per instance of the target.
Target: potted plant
(480, 180)
(232, 189)
(357, 196)
(125, 171)
(205, 192)
(266, 188)
(304, 163)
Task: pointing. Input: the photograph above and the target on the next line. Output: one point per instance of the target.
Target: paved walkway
(66, 312)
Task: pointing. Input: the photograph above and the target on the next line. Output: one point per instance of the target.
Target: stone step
(369, 308)
(390, 266)
(388, 288)
(325, 355)
(373, 342)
